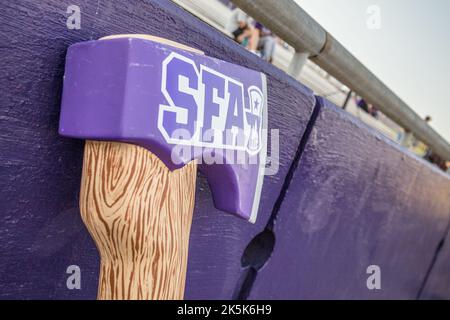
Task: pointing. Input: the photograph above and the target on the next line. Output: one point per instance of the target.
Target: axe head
(178, 104)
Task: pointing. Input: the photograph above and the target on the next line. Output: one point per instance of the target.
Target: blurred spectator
(368, 108)
(240, 27)
(374, 111)
(435, 159)
(265, 42)
(257, 38)
(363, 105)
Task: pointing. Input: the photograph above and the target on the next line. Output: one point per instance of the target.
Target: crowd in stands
(368, 108)
(261, 41)
(252, 34)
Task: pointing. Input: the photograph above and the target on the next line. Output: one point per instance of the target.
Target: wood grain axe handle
(139, 215)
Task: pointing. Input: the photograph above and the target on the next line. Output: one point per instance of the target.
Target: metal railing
(292, 24)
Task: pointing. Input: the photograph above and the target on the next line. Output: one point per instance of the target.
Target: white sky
(410, 52)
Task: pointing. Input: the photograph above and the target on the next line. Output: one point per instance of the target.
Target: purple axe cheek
(160, 97)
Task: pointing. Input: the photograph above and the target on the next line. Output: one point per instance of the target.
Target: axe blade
(178, 104)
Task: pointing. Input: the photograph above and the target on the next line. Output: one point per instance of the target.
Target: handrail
(291, 23)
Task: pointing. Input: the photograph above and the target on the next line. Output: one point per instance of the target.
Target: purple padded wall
(356, 200)
(41, 232)
(437, 285)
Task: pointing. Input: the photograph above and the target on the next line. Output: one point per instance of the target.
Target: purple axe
(152, 110)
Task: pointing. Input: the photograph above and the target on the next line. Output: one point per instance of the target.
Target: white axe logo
(254, 118)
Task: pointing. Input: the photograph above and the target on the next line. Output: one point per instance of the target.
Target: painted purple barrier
(356, 200)
(41, 232)
(437, 285)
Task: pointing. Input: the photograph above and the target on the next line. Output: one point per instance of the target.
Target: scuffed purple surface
(41, 233)
(437, 285)
(356, 200)
(323, 253)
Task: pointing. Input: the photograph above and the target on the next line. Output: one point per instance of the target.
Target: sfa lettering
(206, 108)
